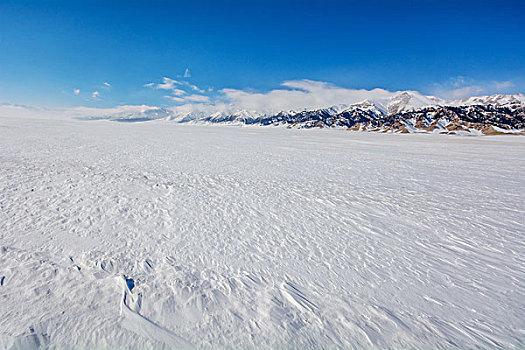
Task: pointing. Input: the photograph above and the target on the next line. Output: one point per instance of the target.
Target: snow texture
(166, 235)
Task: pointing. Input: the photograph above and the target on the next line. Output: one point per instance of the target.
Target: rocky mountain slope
(475, 119)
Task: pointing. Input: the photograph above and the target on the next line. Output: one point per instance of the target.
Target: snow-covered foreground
(156, 234)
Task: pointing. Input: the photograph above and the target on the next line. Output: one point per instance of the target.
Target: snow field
(161, 235)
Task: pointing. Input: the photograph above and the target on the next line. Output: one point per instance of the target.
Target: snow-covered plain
(152, 235)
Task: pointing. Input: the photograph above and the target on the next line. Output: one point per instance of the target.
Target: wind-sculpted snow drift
(166, 235)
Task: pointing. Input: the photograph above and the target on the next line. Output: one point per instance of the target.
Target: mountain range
(395, 112)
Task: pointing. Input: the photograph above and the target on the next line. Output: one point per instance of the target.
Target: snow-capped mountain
(498, 100)
(410, 100)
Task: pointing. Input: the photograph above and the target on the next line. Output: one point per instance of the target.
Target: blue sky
(59, 53)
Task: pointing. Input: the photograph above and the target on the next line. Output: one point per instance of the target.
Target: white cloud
(460, 87)
(293, 95)
(107, 84)
(187, 73)
(465, 91)
(197, 98)
(307, 94)
(170, 84)
(76, 91)
(194, 87)
(167, 84)
(175, 99)
(308, 85)
(95, 95)
(300, 94)
(175, 86)
(189, 99)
